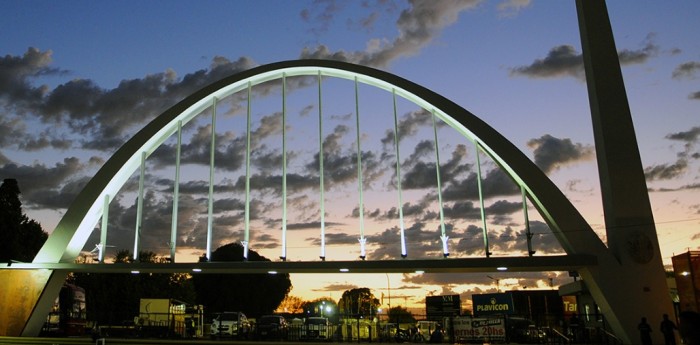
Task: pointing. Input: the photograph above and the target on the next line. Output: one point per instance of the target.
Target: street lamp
(498, 283)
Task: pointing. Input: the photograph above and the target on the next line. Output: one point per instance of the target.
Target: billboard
(438, 307)
(469, 329)
(492, 304)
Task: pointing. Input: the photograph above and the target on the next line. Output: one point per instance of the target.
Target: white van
(230, 324)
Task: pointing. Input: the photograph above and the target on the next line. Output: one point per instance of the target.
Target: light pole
(498, 283)
(388, 288)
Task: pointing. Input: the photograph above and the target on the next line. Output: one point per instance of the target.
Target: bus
(67, 316)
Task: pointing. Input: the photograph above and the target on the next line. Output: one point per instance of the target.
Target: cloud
(424, 242)
(689, 136)
(565, 61)
(418, 26)
(511, 8)
(561, 61)
(16, 74)
(321, 14)
(337, 287)
(102, 118)
(408, 125)
(507, 240)
(12, 130)
(686, 70)
(681, 166)
(694, 95)
(553, 153)
(40, 184)
(666, 171)
(421, 175)
(494, 183)
(641, 55)
(340, 161)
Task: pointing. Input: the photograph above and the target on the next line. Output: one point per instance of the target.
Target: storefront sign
(494, 303)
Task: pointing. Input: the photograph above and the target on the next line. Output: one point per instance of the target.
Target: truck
(162, 318)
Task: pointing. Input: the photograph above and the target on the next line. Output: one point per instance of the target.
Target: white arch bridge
(616, 284)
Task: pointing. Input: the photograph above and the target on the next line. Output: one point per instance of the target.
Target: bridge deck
(448, 265)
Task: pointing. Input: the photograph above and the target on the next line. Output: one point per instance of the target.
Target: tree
(254, 294)
(400, 315)
(20, 237)
(291, 304)
(323, 306)
(114, 298)
(358, 302)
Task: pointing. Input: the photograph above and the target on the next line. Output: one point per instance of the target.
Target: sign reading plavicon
(492, 303)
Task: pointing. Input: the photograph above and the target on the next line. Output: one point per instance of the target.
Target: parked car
(272, 327)
(230, 324)
(316, 327)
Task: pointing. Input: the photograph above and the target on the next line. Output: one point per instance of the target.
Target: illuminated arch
(72, 232)
(571, 230)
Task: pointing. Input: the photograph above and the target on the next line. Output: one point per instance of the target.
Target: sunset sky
(78, 79)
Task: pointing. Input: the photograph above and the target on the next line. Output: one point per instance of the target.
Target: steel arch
(71, 233)
(571, 230)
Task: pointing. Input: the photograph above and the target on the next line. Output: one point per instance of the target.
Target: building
(686, 269)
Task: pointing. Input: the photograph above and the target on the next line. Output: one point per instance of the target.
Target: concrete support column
(631, 233)
(25, 291)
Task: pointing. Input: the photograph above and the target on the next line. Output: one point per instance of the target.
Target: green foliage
(20, 237)
(358, 302)
(253, 294)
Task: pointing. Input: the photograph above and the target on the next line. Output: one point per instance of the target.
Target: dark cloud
(418, 25)
(681, 166)
(37, 182)
(44, 141)
(12, 130)
(334, 238)
(504, 207)
(507, 240)
(686, 70)
(230, 149)
(553, 153)
(561, 61)
(495, 282)
(422, 174)
(408, 125)
(310, 225)
(16, 74)
(340, 165)
(564, 60)
(666, 171)
(494, 183)
(273, 183)
(543, 240)
(462, 210)
(641, 55)
(694, 95)
(691, 135)
(59, 197)
(419, 241)
(103, 118)
(337, 287)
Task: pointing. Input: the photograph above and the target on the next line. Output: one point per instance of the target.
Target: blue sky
(78, 79)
